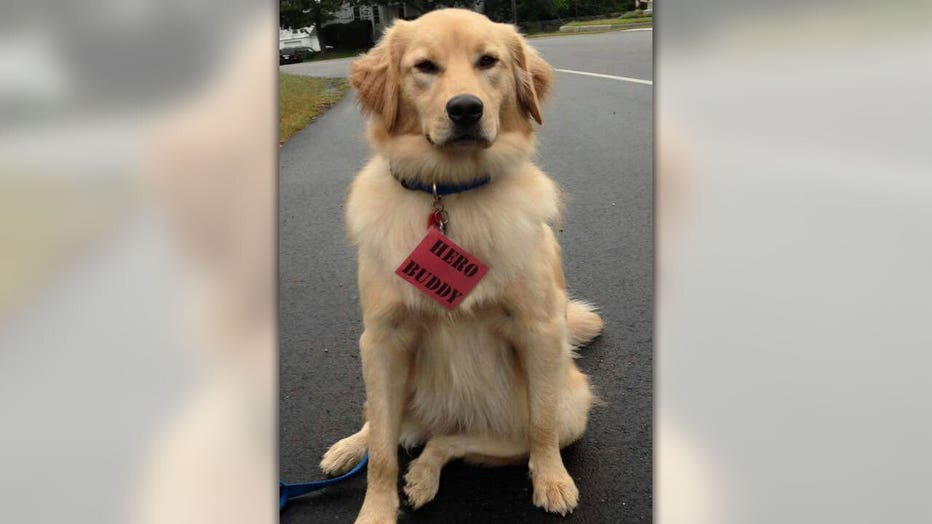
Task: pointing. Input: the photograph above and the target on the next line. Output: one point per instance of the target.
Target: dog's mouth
(462, 140)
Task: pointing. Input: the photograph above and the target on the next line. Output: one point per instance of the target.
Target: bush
(637, 13)
(559, 10)
(350, 36)
(540, 26)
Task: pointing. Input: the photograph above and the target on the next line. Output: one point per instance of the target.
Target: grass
(631, 18)
(560, 33)
(614, 21)
(301, 99)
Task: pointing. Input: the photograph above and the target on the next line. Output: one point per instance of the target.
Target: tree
(298, 14)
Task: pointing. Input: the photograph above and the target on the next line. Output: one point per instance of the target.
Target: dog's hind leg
(423, 477)
(346, 453)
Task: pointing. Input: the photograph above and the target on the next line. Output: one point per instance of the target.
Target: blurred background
(794, 208)
(137, 266)
(137, 318)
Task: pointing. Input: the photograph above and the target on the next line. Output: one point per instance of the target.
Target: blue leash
(287, 492)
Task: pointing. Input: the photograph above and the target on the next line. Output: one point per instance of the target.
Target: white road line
(610, 77)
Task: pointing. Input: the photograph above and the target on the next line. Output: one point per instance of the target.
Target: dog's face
(457, 81)
(454, 79)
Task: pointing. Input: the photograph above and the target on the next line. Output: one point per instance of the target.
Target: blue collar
(445, 189)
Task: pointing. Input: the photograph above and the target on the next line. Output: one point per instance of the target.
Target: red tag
(441, 269)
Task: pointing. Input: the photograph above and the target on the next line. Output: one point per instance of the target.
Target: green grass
(630, 18)
(301, 99)
(614, 21)
(617, 27)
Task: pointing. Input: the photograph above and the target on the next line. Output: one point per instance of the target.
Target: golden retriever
(449, 98)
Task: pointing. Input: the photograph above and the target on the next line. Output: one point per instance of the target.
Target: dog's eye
(426, 66)
(487, 61)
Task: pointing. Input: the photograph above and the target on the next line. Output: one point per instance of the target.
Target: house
(380, 15)
(306, 37)
(383, 16)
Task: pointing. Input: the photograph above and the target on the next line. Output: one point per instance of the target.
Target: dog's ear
(532, 74)
(375, 77)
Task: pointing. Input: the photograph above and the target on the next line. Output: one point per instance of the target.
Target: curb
(583, 28)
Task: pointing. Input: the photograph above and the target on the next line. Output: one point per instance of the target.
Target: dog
(449, 99)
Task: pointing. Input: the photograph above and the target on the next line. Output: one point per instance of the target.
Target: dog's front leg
(542, 347)
(385, 353)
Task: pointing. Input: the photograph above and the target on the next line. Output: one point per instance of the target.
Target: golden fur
(494, 380)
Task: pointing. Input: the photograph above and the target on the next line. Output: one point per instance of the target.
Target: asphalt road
(597, 143)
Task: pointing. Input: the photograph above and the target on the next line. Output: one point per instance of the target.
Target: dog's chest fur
(466, 379)
(504, 224)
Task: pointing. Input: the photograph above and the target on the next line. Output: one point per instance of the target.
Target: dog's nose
(464, 110)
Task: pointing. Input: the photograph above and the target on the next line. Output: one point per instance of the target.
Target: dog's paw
(421, 483)
(342, 456)
(376, 519)
(379, 509)
(555, 491)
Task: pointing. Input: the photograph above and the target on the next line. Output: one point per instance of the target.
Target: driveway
(596, 142)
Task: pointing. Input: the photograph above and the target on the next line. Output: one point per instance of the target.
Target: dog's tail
(583, 322)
